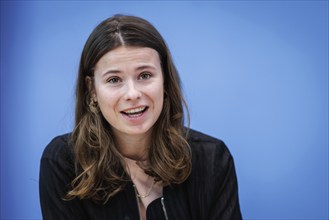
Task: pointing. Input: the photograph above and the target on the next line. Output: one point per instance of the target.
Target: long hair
(100, 168)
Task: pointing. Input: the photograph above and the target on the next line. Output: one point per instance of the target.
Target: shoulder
(212, 185)
(197, 136)
(211, 158)
(205, 145)
(59, 149)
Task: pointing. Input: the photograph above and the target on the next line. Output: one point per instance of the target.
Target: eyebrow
(115, 71)
(111, 72)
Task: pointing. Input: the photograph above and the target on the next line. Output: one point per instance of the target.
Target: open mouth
(136, 112)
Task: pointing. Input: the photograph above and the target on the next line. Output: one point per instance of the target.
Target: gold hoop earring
(93, 106)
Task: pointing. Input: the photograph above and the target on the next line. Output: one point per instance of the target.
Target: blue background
(255, 74)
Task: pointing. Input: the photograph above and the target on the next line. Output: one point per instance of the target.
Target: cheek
(159, 97)
(107, 100)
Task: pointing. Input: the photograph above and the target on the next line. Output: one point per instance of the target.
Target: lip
(132, 108)
(134, 117)
(136, 107)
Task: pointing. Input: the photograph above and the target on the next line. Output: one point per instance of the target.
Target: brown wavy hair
(100, 168)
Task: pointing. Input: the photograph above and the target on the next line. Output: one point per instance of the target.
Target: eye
(145, 75)
(114, 80)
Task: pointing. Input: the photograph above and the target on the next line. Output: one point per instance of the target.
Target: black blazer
(210, 192)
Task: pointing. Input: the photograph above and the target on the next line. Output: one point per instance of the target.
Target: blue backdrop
(255, 74)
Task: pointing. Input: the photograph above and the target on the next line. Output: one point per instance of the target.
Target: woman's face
(128, 86)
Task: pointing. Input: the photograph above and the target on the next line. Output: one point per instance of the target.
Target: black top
(210, 192)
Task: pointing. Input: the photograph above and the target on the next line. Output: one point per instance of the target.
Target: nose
(132, 92)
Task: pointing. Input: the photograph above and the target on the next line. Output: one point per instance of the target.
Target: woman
(129, 155)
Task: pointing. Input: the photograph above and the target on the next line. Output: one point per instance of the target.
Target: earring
(93, 106)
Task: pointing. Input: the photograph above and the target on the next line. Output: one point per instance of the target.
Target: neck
(134, 147)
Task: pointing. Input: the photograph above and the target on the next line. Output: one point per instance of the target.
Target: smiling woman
(129, 155)
(128, 87)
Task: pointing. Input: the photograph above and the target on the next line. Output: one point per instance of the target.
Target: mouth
(135, 112)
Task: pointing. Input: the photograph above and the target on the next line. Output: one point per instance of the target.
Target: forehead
(123, 56)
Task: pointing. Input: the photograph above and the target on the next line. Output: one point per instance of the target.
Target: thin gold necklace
(148, 192)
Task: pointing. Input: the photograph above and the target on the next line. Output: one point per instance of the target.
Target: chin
(140, 130)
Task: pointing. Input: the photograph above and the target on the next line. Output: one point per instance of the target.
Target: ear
(91, 88)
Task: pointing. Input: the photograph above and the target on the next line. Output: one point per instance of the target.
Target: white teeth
(135, 110)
